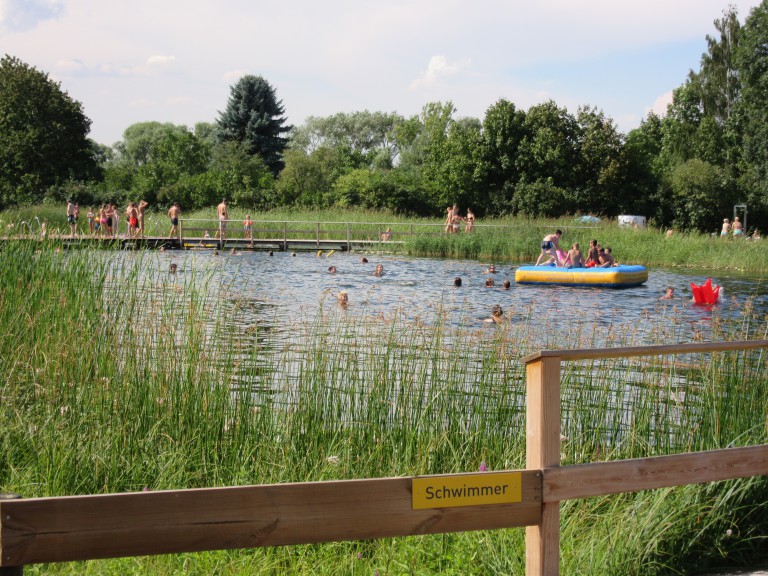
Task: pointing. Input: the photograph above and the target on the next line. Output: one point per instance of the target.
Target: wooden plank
(626, 352)
(601, 478)
(136, 524)
(542, 541)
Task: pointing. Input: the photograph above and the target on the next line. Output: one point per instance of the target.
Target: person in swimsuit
(738, 228)
(669, 294)
(173, 214)
(449, 218)
(71, 217)
(223, 214)
(469, 221)
(248, 227)
(343, 299)
(379, 270)
(550, 245)
(141, 210)
(91, 220)
(112, 221)
(386, 236)
(102, 220)
(593, 255)
(574, 258)
(726, 228)
(606, 258)
(133, 221)
(497, 314)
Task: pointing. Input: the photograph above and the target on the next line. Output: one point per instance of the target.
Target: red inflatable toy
(706, 293)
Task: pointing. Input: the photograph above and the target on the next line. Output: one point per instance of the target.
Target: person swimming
(379, 270)
(343, 298)
(497, 314)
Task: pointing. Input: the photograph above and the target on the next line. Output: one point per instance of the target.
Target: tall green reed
(121, 376)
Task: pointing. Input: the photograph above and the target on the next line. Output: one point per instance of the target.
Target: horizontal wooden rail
(137, 524)
(603, 478)
(597, 353)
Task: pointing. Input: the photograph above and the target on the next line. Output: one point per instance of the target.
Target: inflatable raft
(616, 277)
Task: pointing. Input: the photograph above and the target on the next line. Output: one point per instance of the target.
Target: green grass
(509, 240)
(116, 378)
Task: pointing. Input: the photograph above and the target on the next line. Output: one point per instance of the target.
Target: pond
(284, 288)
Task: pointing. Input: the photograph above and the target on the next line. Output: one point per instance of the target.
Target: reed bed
(119, 376)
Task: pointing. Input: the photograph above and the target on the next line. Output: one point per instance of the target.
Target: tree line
(686, 169)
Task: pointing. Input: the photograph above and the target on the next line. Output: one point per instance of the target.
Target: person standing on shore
(469, 221)
(142, 209)
(223, 214)
(738, 228)
(173, 214)
(71, 217)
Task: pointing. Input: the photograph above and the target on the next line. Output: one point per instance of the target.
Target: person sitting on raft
(574, 258)
(550, 245)
(593, 255)
(606, 258)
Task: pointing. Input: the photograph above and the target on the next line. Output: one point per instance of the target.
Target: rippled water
(283, 288)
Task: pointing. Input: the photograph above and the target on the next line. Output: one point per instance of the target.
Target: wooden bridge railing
(103, 526)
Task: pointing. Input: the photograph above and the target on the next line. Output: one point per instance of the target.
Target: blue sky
(172, 61)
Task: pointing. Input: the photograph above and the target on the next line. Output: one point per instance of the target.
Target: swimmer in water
(379, 270)
(669, 294)
(331, 269)
(497, 314)
(457, 282)
(343, 298)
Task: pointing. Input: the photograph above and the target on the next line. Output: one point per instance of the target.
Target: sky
(130, 61)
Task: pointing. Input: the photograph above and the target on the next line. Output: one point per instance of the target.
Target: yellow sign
(466, 490)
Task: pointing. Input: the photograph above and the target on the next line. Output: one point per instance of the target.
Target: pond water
(284, 288)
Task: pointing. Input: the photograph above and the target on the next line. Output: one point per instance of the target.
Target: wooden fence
(112, 525)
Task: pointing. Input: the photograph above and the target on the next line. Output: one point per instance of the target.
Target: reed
(121, 377)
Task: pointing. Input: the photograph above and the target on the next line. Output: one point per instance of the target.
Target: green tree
(600, 169)
(752, 109)
(548, 151)
(371, 135)
(498, 171)
(254, 117)
(640, 155)
(43, 135)
(697, 192)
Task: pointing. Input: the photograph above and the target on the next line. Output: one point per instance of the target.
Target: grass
(120, 377)
(512, 240)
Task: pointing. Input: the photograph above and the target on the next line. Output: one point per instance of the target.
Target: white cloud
(140, 103)
(23, 15)
(659, 107)
(70, 66)
(159, 60)
(233, 75)
(181, 100)
(438, 69)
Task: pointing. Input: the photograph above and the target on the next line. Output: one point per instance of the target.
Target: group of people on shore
(105, 221)
(453, 220)
(551, 253)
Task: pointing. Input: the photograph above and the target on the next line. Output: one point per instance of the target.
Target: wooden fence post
(542, 541)
(9, 570)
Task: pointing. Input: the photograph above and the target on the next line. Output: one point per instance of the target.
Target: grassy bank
(508, 240)
(120, 377)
